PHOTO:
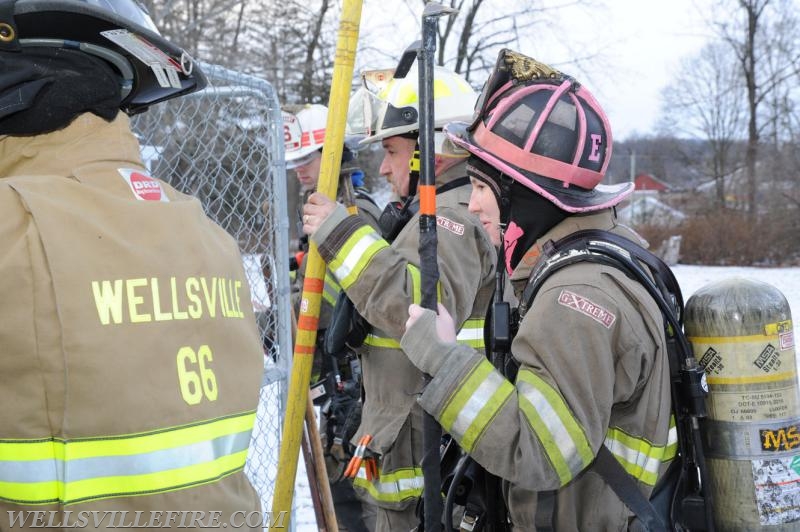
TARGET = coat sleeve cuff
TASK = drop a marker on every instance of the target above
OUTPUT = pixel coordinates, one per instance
(333, 230)
(423, 346)
(454, 371)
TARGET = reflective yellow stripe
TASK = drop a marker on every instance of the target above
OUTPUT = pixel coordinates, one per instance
(71, 471)
(552, 421)
(396, 486)
(331, 280)
(478, 399)
(67, 493)
(640, 458)
(672, 440)
(416, 287)
(130, 444)
(356, 253)
(331, 289)
(471, 333)
(381, 341)
(471, 336)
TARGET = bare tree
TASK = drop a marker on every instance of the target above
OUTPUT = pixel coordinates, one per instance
(315, 43)
(704, 101)
(205, 28)
(468, 43)
(288, 42)
(764, 37)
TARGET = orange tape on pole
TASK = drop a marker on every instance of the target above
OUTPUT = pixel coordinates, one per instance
(427, 199)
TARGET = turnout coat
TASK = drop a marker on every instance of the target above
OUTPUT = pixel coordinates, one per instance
(131, 363)
(593, 371)
(382, 279)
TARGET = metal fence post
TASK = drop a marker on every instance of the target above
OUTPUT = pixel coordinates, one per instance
(224, 145)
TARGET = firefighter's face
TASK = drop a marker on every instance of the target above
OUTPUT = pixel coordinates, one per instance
(483, 204)
(397, 152)
(308, 173)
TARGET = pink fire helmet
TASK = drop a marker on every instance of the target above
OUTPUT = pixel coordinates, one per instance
(543, 129)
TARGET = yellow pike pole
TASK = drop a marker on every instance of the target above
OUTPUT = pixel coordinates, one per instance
(315, 267)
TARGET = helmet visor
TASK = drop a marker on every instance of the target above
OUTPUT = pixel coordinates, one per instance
(362, 113)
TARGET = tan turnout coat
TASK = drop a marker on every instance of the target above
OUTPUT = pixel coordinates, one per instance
(130, 361)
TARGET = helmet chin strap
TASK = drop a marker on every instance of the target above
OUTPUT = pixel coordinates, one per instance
(505, 183)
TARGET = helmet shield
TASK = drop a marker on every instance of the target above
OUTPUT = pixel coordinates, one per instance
(151, 69)
(544, 130)
(365, 106)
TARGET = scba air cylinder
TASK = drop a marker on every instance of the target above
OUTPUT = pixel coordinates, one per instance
(741, 332)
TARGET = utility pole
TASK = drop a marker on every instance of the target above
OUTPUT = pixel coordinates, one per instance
(633, 181)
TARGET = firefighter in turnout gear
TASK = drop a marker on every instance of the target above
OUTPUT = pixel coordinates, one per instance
(590, 348)
(304, 135)
(383, 278)
(335, 376)
(131, 361)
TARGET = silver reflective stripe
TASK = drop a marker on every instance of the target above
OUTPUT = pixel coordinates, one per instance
(466, 416)
(123, 465)
(672, 436)
(389, 486)
(351, 261)
(559, 433)
(468, 334)
(633, 457)
(31, 471)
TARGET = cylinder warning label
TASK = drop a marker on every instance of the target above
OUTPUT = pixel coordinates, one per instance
(751, 378)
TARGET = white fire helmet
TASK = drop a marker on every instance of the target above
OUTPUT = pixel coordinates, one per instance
(304, 134)
(394, 109)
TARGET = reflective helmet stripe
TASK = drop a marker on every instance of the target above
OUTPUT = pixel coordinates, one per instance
(544, 116)
(313, 138)
(544, 166)
(581, 131)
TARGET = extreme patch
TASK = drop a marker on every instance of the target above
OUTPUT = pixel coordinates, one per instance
(450, 225)
(588, 307)
(144, 187)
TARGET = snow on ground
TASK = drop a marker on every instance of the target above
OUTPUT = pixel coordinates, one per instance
(691, 279)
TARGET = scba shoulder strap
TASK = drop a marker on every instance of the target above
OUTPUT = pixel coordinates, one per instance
(680, 498)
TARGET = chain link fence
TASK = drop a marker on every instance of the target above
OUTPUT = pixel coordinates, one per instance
(224, 145)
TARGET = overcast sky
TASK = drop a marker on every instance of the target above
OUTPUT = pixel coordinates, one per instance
(640, 43)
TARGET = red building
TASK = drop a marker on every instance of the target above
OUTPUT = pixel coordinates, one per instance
(649, 182)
